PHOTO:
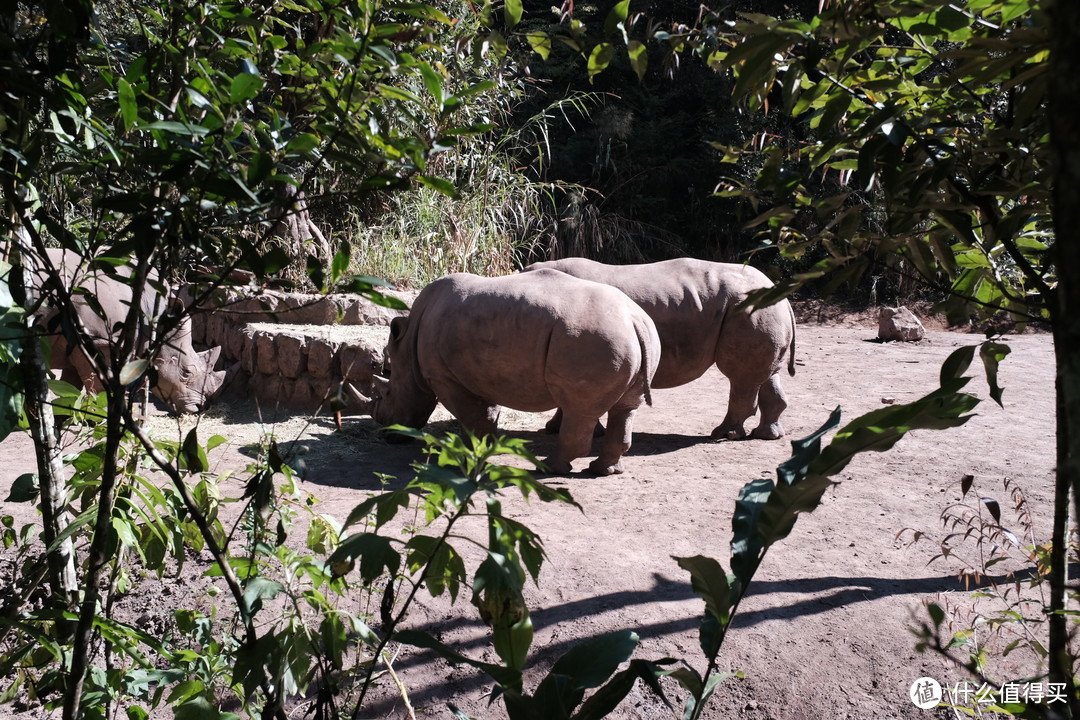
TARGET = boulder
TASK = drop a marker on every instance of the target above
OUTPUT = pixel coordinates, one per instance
(899, 323)
(322, 358)
(291, 350)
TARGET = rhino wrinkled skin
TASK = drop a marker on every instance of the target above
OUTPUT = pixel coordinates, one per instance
(693, 304)
(185, 378)
(529, 342)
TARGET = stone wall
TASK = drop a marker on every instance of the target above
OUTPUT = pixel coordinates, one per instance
(295, 351)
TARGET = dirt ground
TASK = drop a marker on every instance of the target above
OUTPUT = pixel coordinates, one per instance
(826, 629)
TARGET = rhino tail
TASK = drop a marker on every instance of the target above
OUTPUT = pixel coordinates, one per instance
(791, 348)
(645, 376)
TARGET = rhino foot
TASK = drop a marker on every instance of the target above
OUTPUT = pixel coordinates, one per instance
(557, 467)
(772, 431)
(723, 433)
(602, 469)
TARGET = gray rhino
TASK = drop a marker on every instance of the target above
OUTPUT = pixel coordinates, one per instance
(529, 342)
(694, 305)
(185, 378)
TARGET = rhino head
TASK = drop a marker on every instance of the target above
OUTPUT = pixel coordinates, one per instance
(403, 398)
(185, 378)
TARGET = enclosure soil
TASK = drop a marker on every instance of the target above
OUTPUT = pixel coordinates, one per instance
(826, 630)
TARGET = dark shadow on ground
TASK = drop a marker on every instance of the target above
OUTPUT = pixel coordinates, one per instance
(323, 459)
(837, 591)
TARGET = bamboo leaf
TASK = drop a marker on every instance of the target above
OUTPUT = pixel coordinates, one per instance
(129, 107)
(600, 58)
(512, 12)
(540, 43)
(639, 58)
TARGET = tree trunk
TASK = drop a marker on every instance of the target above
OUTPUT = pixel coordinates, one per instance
(294, 225)
(1064, 78)
(51, 476)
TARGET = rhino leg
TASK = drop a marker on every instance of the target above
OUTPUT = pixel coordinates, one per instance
(616, 442)
(555, 423)
(742, 403)
(773, 402)
(552, 426)
(477, 415)
(575, 440)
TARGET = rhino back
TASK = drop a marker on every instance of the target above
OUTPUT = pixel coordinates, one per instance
(687, 299)
(516, 340)
(112, 295)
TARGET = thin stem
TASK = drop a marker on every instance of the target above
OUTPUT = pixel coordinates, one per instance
(274, 705)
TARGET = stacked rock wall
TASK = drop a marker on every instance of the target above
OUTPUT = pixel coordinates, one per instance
(292, 350)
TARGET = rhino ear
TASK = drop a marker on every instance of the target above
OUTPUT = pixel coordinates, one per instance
(213, 384)
(398, 326)
(210, 357)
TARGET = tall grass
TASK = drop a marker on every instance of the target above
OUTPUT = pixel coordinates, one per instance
(504, 215)
(421, 234)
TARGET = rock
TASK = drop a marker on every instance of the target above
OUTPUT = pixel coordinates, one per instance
(291, 350)
(899, 323)
(360, 311)
(265, 353)
(322, 358)
(359, 363)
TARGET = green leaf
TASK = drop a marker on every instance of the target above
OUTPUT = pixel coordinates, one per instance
(710, 583)
(260, 168)
(244, 87)
(129, 107)
(513, 640)
(196, 708)
(616, 16)
(303, 143)
(258, 589)
(445, 569)
(176, 128)
(442, 185)
(512, 12)
(194, 455)
(24, 489)
(376, 555)
(747, 545)
(604, 701)
(433, 81)
(340, 263)
(639, 58)
(756, 55)
(690, 680)
(540, 43)
(600, 58)
(586, 665)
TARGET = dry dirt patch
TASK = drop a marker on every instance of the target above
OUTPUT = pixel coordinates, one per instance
(824, 632)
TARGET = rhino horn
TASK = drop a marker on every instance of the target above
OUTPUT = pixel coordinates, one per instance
(380, 385)
(354, 401)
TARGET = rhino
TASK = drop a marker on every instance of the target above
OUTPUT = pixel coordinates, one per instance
(185, 379)
(528, 342)
(694, 304)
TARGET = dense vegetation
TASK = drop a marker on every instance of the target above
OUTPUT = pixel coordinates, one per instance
(887, 145)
